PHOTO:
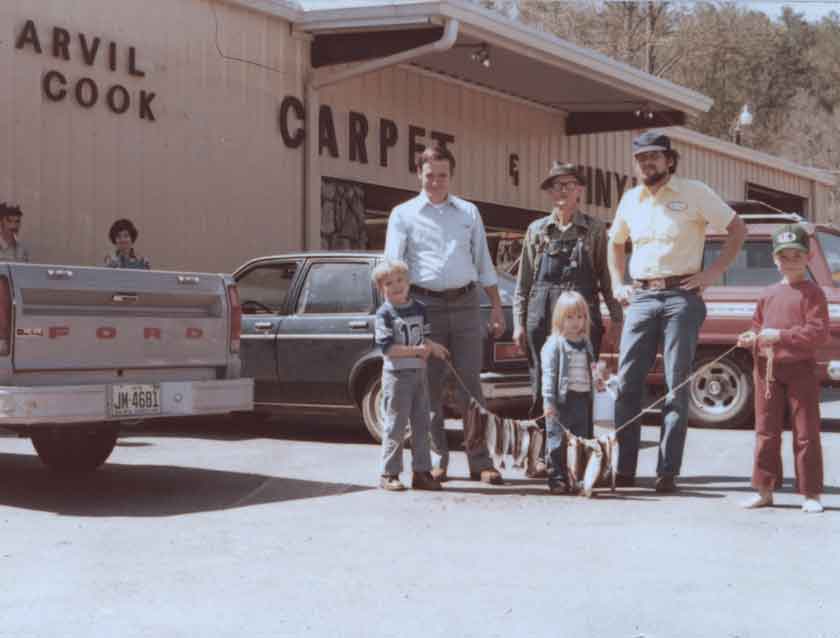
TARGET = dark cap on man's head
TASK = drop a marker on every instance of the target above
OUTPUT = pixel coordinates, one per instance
(561, 169)
(7, 210)
(791, 236)
(651, 141)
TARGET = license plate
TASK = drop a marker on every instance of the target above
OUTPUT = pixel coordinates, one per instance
(135, 399)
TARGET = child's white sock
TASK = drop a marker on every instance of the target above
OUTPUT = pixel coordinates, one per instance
(812, 505)
(759, 499)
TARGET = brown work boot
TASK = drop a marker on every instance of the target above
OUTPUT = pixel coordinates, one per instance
(425, 481)
(391, 483)
(623, 480)
(440, 475)
(559, 488)
(665, 485)
(540, 470)
(491, 476)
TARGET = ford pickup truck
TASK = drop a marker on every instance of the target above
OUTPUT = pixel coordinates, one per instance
(722, 394)
(84, 351)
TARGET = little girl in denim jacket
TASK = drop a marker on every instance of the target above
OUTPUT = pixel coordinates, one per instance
(568, 378)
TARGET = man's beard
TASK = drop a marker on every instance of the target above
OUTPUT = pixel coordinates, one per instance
(650, 180)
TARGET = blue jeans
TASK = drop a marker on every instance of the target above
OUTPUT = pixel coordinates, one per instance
(673, 316)
(405, 396)
(576, 415)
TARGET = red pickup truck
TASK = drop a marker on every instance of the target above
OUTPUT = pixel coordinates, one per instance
(722, 395)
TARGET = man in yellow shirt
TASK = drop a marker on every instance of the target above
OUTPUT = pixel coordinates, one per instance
(665, 219)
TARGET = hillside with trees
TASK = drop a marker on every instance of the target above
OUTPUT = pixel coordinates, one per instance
(787, 70)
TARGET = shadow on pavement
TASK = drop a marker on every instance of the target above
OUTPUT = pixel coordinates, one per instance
(220, 429)
(148, 490)
(237, 429)
(718, 483)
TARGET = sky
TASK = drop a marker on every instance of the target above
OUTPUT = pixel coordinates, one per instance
(813, 10)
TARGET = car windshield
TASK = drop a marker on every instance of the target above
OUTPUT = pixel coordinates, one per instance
(830, 244)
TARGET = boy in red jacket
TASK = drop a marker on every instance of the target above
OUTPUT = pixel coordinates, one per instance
(789, 324)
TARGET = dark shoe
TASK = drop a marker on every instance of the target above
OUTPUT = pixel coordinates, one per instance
(391, 483)
(558, 488)
(540, 470)
(665, 485)
(425, 481)
(440, 475)
(490, 476)
(622, 480)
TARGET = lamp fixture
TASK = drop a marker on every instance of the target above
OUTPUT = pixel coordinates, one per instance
(644, 113)
(482, 56)
(743, 121)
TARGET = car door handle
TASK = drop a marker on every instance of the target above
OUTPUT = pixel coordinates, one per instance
(263, 325)
(358, 325)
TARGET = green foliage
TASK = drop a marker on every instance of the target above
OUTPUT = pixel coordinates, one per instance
(787, 70)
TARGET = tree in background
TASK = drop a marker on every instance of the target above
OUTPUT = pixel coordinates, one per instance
(787, 70)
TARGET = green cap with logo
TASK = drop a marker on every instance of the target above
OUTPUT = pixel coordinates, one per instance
(791, 236)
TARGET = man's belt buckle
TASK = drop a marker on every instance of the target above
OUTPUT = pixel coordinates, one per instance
(452, 293)
(657, 284)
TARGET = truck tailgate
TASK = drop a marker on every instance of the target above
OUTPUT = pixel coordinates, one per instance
(78, 318)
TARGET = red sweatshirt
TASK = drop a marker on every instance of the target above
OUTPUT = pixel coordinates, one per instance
(800, 311)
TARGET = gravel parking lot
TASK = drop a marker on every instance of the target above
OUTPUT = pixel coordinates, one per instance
(281, 532)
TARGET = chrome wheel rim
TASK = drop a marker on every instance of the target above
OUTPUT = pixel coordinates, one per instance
(719, 390)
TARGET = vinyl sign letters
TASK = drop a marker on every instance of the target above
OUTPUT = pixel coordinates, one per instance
(91, 51)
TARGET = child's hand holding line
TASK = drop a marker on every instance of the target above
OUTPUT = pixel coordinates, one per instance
(436, 349)
(598, 381)
(746, 339)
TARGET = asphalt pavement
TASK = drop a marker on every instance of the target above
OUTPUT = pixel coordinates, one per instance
(225, 529)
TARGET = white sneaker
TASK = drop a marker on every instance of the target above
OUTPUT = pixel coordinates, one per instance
(758, 500)
(812, 506)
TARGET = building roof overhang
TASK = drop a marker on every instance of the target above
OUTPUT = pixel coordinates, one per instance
(593, 91)
(746, 154)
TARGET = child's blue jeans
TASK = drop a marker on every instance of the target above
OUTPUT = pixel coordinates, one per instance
(576, 415)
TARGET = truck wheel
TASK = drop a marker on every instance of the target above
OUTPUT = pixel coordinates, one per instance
(74, 450)
(372, 410)
(722, 395)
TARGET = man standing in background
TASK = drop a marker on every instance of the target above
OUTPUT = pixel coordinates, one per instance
(11, 249)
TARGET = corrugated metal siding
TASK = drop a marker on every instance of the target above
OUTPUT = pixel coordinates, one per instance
(212, 167)
(487, 130)
(489, 127)
(727, 175)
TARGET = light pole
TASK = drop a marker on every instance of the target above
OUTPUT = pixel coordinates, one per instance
(744, 120)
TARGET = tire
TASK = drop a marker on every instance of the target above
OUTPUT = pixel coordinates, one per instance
(372, 410)
(74, 450)
(721, 396)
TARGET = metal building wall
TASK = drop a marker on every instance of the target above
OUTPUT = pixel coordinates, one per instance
(702, 158)
(487, 129)
(209, 183)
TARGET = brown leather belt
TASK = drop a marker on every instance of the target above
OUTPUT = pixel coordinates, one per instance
(449, 295)
(660, 284)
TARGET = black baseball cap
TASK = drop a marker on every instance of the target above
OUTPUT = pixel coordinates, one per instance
(651, 141)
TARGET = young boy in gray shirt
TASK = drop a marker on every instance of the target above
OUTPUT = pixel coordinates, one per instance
(401, 331)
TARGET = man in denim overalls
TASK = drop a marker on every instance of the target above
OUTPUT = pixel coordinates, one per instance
(565, 250)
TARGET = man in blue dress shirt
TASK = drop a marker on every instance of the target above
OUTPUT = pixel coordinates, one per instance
(441, 237)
